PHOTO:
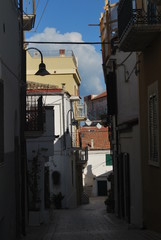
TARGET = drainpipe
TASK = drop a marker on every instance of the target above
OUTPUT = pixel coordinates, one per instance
(64, 136)
(117, 146)
(22, 124)
(116, 155)
(117, 167)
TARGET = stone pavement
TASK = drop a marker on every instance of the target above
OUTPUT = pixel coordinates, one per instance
(88, 222)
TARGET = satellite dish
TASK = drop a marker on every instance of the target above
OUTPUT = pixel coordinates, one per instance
(88, 122)
(98, 125)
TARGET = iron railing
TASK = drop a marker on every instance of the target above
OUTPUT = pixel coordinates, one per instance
(29, 7)
(34, 120)
(128, 15)
(34, 114)
(81, 111)
(57, 53)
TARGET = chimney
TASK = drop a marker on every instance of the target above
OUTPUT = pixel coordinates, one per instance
(63, 86)
(92, 143)
(61, 52)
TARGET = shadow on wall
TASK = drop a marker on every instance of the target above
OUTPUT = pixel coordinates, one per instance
(89, 177)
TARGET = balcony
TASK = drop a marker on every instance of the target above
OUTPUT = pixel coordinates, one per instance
(80, 112)
(137, 28)
(29, 15)
(35, 114)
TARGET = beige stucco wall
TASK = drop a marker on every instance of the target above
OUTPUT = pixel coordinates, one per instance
(61, 69)
(150, 71)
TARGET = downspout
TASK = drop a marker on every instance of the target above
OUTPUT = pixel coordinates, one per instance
(64, 132)
(117, 146)
(22, 124)
(117, 166)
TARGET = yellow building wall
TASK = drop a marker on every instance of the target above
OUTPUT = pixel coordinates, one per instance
(62, 69)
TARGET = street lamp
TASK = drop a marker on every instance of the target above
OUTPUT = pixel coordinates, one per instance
(70, 110)
(73, 121)
(42, 67)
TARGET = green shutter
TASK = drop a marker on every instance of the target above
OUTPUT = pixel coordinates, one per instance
(108, 160)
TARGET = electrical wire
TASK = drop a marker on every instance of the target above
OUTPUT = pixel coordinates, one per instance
(41, 15)
(98, 165)
(16, 4)
(83, 43)
(53, 102)
(27, 15)
(125, 59)
(37, 5)
(134, 68)
(9, 70)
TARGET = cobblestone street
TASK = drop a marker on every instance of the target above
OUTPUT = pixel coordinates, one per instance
(88, 222)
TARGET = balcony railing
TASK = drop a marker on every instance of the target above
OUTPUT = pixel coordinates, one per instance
(34, 120)
(80, 112)
(28, 15)
(34, 114)
(137, 27)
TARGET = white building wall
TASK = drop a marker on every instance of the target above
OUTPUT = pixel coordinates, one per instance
(61, 159)
(129, 140)
(130, 143)
(96, 169)
(43, 147)
(127, 87)
(63, 164)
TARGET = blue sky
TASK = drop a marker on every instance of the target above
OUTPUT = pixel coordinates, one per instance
(68, 21)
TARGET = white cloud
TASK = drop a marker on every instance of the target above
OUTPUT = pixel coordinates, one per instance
(89, 60)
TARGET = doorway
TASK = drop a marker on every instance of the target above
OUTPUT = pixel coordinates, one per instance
(102, 188)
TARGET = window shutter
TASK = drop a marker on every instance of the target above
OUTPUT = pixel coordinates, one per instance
(153, 124)
(108, 160)
(111, 93)
(153, 127)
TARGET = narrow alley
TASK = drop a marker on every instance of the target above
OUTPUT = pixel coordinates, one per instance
(88, 222)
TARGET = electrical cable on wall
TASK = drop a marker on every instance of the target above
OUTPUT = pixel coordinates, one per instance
(97, 166)
(125, 59)
(134, 69)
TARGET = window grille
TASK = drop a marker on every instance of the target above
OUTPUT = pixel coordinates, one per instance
(34, 113)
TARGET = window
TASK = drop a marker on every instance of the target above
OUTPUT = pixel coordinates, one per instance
(153, 125)
(1, 123)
